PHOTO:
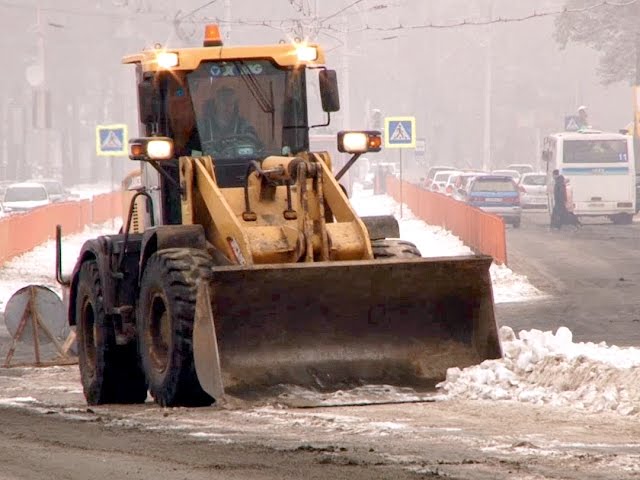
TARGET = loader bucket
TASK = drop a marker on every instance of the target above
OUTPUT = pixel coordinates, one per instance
(336, 325)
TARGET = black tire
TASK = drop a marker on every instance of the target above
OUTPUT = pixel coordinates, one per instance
(165, 325)
(622, 219)
(109, 373)
(394, 248)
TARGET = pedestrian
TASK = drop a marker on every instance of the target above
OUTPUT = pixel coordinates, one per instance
(559, 212)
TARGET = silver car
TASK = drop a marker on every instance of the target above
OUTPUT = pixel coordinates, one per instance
(533, 190)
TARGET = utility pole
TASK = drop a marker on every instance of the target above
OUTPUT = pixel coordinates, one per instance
(41, 110)
(227, 20)
(636, 103)
(488, 80)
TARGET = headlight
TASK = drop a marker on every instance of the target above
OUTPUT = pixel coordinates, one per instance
(306, 53)
(160, 149)
(167, 59)
(151, 148)
(359, 142)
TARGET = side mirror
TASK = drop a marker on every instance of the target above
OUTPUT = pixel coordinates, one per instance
(148, 105)
(329, 90)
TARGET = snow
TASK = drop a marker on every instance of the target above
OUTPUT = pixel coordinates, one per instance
(38, 265)
(542, 368)
(548, 368)
(537, 367)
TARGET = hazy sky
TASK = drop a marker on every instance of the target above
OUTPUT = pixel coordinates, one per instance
(479, 93)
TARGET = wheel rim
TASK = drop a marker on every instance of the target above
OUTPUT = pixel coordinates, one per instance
(159, 334)
(89, 331)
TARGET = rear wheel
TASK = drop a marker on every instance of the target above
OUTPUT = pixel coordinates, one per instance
(110, 373)
(622, 219)
(165, 325)
(394, 248)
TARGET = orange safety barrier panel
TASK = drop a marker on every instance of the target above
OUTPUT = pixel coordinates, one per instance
(481, 231)
(22, 232)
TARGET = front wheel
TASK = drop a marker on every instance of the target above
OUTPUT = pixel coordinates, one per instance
(394, 248)
(165, 325)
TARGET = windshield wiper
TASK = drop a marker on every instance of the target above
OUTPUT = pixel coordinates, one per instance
(265, 103)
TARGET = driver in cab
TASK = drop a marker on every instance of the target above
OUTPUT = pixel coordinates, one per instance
(225, 122)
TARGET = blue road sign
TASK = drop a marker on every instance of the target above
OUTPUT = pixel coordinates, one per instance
(111, 140)
(571, 123)
(400, 132)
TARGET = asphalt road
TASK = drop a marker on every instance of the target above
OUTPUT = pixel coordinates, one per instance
(592, 280)
(592, 276)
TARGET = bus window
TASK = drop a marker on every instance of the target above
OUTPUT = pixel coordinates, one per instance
(595, 151)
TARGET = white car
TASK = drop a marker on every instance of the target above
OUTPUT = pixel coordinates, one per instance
(20, 197)
(514, 174)
(56, 191)
(432, 173)
(533, 190)
(441, 179)
(521, 168)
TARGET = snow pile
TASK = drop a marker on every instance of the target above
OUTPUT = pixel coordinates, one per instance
(38, 266)
(511, 287)
(545, 368)
(88, 191)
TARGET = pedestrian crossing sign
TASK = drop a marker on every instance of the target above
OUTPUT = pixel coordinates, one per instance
(111, 140)
(400, 132)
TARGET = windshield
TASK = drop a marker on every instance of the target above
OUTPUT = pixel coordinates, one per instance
(434, 170)
(539, 180)
(595, 151)
(246, 110)
(25, 194)
(493, 185)
(442, 176)
(521, 168)
(235, 111)
(54, 188)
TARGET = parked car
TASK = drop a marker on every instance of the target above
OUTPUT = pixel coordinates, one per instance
(3, 187)
(432, 173)
(521, 168)
(497, 194)
(20, 197)
(56, 191)
(507, 173)
(533, 190)
(441, 179)
(462, 183)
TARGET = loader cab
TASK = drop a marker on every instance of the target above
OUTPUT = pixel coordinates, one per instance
(235, 111)
(235, 104)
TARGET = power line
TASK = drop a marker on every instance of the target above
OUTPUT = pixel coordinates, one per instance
(351, 5)
(192, 12)
(477, 23)
(284, 24)
(85, 13)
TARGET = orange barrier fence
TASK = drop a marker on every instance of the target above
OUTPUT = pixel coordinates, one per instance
(21, 232)
(481, 231)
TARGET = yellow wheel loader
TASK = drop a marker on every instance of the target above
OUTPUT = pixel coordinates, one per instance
(242, 265)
